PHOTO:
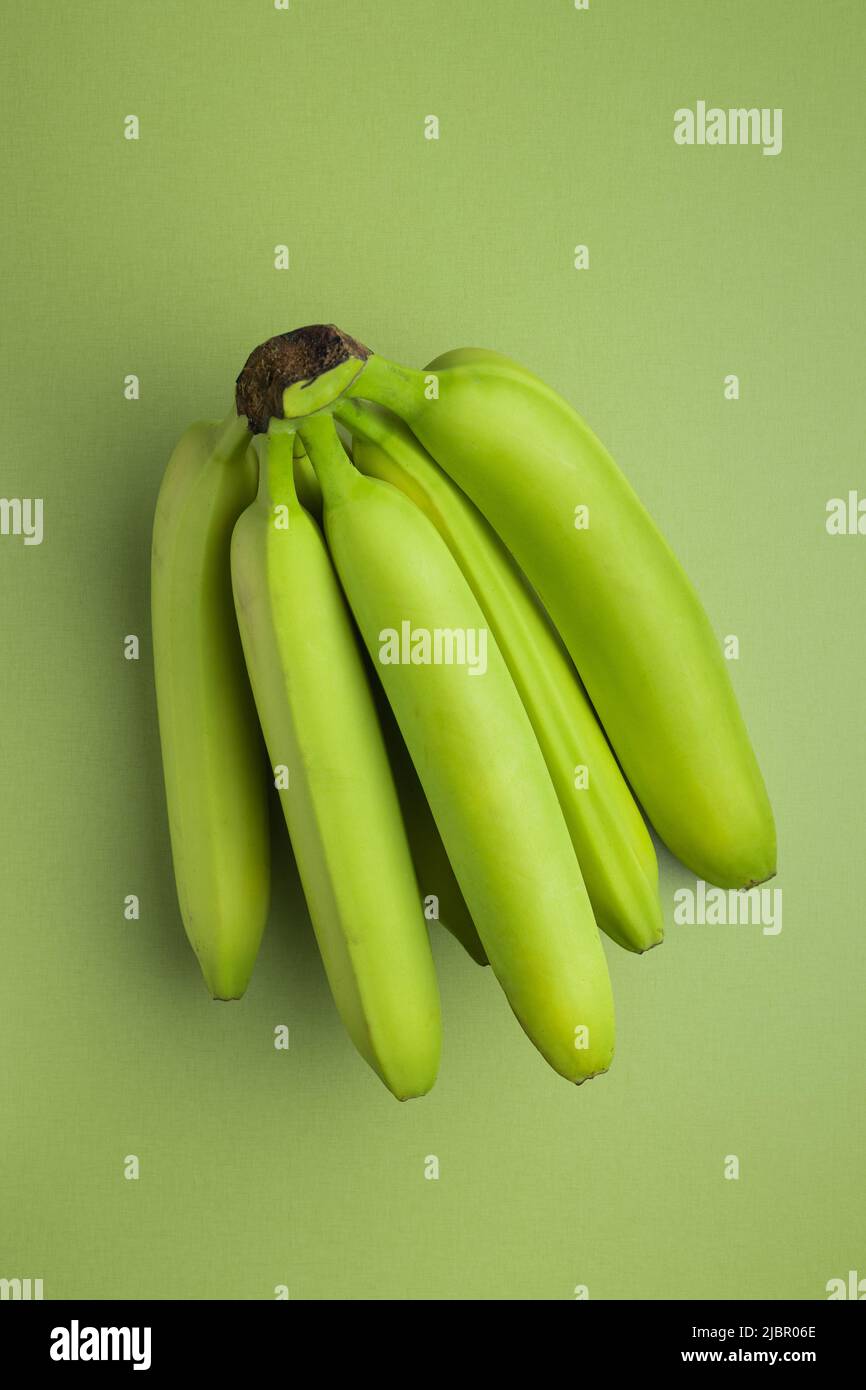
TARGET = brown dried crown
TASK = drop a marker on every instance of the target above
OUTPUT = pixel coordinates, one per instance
(299, 356)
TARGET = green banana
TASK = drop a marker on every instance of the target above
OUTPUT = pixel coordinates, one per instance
(212, 753)
(477, 758)
(632, 622)
(628, 614)
(340, 805)
(440, 891)
(610, 839)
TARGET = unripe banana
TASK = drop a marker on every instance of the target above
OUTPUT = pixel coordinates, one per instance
(631, 620)
(612, 844)
(477, 758)
(628, 614)
(440, 891)
(212, 752)
(340, 804)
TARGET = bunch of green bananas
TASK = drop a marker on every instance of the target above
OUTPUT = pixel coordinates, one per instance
(417, 783)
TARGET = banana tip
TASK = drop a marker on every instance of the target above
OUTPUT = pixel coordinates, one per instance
(651, 947)
(592, 1075)
(756, 882)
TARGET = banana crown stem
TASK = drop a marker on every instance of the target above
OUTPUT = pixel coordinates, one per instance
(401, 389)
(334, 469)
(276, 453)
(294, 375)
(365, 420)
(391, 436)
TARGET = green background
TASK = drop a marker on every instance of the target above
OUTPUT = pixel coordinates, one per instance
(155, 257)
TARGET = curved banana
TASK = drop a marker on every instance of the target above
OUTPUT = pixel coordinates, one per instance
(632, 622)
(613, 847)
(212, 753)
(440, 891)
(476, 756)
(340, 805)
(628, 614)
